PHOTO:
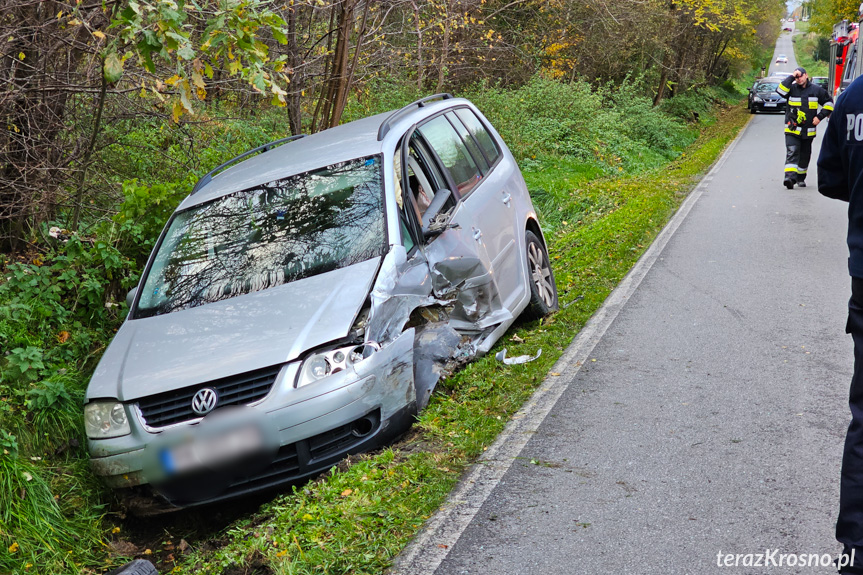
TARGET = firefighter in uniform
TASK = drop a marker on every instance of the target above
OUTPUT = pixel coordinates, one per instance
(801, 117)
(840, 176)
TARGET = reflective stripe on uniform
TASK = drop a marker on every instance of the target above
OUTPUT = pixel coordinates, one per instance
(801, 170)
(828, 106)
(812, 132)
(782, 89)
(790, 167)
(813, 104)
(795, 101)
(790, 131)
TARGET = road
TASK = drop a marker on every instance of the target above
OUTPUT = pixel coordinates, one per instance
(702, 411)
(784, 46)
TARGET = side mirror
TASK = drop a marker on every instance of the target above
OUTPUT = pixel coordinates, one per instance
(130, 297)
(435, 207)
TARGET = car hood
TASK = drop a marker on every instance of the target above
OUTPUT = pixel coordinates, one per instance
(165, 352)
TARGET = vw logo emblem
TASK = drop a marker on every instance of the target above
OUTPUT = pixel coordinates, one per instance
(205, 401)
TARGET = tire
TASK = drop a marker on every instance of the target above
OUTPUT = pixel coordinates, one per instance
(751, 109)
(543, 291)
(136, 567)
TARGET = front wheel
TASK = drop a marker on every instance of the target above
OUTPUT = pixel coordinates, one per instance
(752, 109)
(543, 291)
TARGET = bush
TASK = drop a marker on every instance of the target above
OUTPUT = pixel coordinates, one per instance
(615, 128)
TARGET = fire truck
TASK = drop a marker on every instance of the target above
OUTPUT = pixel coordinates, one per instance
(844, 63)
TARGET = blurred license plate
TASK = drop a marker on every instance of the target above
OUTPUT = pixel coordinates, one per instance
(211, 450)
(769, 105)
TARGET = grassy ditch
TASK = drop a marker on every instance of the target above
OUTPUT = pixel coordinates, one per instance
(604, 186)
(356, 519)
(806, 48)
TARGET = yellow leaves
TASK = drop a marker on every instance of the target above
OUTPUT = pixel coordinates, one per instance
(63, 336)
(347, 492)
(74, 22)
(198, 81)
(21, 55)
(115, 530)
(172, 81)
(307, 517)
(99, 35)
(177, 111)
(13, 548)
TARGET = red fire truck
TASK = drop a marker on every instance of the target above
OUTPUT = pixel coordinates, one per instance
(844, 64)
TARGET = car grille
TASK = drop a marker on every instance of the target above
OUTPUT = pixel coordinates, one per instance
(175, 406)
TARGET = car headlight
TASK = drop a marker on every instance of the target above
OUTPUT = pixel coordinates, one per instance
(320, 365)
(757, 99)
(105, 419)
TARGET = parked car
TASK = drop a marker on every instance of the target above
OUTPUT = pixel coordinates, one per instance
(764, 98)
(781, 59)
(301, 305)
(788, 29)
(820, 81)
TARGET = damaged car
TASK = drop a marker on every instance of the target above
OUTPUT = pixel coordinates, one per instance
(304, 300)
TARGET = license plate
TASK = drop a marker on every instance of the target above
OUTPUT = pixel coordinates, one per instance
(769, 105)
(211, 450)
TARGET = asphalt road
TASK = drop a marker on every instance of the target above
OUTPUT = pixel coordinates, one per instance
(784, 46)
(707, 415)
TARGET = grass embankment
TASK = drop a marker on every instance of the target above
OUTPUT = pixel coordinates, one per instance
(805, 49)
(604, 185)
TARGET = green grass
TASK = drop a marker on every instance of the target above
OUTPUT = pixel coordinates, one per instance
(356, 520)
(603, 189)
(804, 51)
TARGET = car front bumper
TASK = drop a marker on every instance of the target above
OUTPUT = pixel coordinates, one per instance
(316, 425)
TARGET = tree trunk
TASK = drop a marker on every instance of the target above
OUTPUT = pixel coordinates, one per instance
(444, 50)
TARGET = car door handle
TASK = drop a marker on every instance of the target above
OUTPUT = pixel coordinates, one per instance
(477, 234)
(506, 199)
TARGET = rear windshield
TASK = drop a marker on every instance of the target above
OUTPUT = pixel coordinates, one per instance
(267, 236)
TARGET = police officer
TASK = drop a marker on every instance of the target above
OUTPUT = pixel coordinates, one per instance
(840, 176)
(801, 117)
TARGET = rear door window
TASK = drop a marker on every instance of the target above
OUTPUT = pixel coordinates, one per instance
(451, 150)
(469, 141)
(476, 128)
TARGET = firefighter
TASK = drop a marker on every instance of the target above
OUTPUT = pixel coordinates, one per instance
(801, 117)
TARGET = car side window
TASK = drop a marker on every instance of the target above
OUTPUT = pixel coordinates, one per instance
(469, 141)
(424, 177)
(451, 150)
(476, 128)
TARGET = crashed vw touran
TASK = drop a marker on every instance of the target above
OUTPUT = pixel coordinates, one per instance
(302, 304)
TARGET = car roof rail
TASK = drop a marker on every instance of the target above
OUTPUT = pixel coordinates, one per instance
(387, 123)
(266, 147)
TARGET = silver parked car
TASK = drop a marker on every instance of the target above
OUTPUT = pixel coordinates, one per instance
(302, 304)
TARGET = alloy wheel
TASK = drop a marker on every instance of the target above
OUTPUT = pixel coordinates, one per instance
(540, 273)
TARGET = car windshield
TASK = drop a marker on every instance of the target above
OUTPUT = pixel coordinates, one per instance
(266, 236)
(766, 87)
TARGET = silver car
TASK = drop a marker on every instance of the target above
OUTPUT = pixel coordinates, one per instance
(302, 304)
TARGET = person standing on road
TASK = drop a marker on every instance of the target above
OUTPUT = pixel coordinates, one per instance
(801, 117)
(840, 176)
